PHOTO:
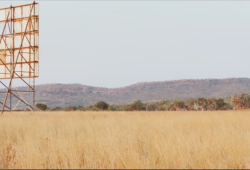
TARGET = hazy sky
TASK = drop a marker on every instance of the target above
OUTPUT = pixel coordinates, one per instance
(118, 43)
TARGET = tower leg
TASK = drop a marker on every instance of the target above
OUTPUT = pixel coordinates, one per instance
(6, 96)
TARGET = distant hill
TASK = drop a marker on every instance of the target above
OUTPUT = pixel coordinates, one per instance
(76, 94)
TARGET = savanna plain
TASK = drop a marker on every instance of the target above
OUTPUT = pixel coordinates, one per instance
(209, 139)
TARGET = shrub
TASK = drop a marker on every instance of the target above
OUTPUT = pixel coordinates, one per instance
(70, 108)
(102, 105)
(41, 106)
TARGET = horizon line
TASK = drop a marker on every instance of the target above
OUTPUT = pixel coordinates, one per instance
(144, 82)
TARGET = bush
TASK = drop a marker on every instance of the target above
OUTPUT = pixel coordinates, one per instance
(70, 108)
(41, 106)
(56, 108)
(102, 105)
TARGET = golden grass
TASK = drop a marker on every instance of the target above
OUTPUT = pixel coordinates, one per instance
(125, 140)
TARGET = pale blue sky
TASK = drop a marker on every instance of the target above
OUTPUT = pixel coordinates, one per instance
(118, 43)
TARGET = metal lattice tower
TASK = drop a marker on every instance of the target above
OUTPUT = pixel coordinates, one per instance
(19, 54)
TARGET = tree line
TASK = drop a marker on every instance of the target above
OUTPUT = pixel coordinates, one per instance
(236, 102)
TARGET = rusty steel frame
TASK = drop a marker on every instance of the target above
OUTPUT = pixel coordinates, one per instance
(13, 54)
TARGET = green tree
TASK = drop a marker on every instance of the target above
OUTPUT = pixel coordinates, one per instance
(163, 105)
(114, 108)
(178, 105)
(90, 107)
(81, 108)
(102, 105)
(137, 105)
(164, 102)
(41, 106)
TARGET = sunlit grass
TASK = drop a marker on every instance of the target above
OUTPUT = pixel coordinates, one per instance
(125, 140)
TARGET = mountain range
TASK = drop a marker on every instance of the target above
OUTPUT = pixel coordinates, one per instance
(76, 94)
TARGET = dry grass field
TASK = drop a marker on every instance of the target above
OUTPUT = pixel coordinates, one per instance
(125, 140)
